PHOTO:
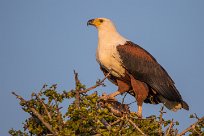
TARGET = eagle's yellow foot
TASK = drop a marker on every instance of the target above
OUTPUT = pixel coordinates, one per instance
(139, 115)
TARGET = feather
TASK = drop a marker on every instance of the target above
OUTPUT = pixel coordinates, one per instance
(144, 67)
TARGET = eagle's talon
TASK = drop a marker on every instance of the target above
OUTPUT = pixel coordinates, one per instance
(139, 115)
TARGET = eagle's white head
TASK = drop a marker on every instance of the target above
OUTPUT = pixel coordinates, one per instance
(108, 39)
(107, 32)
(102, 24)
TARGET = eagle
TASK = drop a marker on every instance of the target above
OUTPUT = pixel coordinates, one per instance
(133, 69)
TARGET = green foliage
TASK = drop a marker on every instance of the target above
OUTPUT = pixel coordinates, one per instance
(88, 115)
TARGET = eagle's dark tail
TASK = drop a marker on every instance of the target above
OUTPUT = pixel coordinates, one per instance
(173, 105)
(185, 105)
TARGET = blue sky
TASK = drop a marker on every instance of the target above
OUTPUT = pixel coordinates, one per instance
(44, 41)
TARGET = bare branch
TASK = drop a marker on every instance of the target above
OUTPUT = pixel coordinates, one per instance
(191, 127)
(47, 125)
(124, 97)
(34, 111)
(44, 86)
(117, 121)
(99, 83)
(136, 127)
(59, 117)
(196, 116)
(45, 107)
(169, 128)
(161, 120)
(122, 123)
(77, 96)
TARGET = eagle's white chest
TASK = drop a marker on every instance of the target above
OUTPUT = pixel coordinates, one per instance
(108, 57)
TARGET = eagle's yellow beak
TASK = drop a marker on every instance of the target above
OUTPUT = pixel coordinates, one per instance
(95, 22)
(90, 22)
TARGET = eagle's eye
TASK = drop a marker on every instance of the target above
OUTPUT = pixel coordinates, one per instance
(101, 20)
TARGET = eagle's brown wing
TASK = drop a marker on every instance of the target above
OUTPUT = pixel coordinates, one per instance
(144, 67)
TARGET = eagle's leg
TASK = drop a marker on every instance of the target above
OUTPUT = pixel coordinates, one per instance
(141, 92)
(139, 111)
(122, 87)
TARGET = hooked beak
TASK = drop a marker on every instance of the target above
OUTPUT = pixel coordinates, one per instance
(90, 22)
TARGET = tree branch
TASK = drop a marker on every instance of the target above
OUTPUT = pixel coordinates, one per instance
(117, 121)
(191, 127)
(46, 110)
(77, 89)
(169, 128)
(34, 111)
(161, 120)
(98, 83)
(136, 127)
(124, 97)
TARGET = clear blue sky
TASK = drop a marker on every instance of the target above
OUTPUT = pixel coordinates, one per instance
(42, 41)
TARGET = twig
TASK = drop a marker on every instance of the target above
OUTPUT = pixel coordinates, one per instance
(77, 96)
(139, 118)
(169, 128)
(46, 110)
(58, 114)
(117, 121)
(105, 123)
(196, 131)
(161, 120)
(131, 103)
(124, 98)
(44, 86)
(196, 116)
(47, 125)
(176, 132)
(99, 83)
(122, 123)
(136, 127)
(191, 127)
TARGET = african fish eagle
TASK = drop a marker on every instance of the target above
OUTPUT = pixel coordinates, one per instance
(133, 69)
